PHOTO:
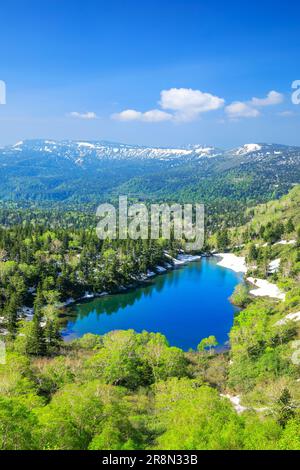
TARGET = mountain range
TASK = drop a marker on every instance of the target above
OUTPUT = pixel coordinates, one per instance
(81, 172)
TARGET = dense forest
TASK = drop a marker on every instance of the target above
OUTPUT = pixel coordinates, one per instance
(76, 174)
(126, 390)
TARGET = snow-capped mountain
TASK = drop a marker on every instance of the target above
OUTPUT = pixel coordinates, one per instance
(87, 171)
(247, 148)
(262, 150)
(82, 152)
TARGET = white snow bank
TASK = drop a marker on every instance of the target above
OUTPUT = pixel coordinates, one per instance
(150, 274)
(248, 148)
(188, 258)
(265, 289)
(233, 262)
(86, 144)
(88, 295)
(286, 242)
(289, 317)
(69, 302)
(274, 266)
(160, 269)
(183, 259)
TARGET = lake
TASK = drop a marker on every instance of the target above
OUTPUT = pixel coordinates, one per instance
(186, 305)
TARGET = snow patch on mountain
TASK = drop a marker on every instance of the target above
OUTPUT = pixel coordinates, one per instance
(248, 148)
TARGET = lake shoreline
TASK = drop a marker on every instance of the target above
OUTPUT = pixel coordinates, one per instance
(175, 305)
(231, 261)
(141, 280)
(263, 288)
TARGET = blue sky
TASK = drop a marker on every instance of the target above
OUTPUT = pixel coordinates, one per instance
(150, 72)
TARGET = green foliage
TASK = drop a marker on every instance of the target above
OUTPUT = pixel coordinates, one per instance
(210, 342)
(252, 253)
(118, 362)
(261, 434)
(132, 360)
(222, 240)
(127, 391)
(290, 438)
(79, 413)
(285, 408)
(17, 423)
(195, 417)
(240, 297)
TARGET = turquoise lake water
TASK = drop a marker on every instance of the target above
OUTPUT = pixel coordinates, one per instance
(186, 305)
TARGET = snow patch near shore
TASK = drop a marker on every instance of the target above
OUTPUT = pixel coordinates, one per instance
(290, 317)
(188, 258)
(160, 269)
(183, 259)
(150, 274)
(233, 262)
(286, 242)
(265, 289)
(274, 266)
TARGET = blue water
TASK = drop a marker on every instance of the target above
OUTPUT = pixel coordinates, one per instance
(186, 305)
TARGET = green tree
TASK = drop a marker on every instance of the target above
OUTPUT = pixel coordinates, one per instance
(210, 342)
(190, 417)
(252, 253)
(285, 408)
(290, 227)
(240, 297)
(36, 344)
(11, 312)
(222, 239)
(290, 439)
(17, 425)
(164, 361)
(118, 362)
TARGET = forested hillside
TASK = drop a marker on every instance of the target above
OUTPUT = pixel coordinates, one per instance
(133, 391)
(77, 173)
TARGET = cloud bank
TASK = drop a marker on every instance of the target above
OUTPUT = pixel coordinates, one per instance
(154, 115)
(186, 104)
(87, 116)
(248, 109)
(176, 104)
(239, 109)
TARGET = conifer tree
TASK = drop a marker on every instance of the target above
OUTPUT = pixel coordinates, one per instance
(285, 408)
(36, 342)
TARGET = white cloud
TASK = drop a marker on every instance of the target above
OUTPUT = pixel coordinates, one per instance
(87, 116)
(239, 109)
(286, 113)
(188, 104)
(128, 115)
(272, 98)
(154, 115)
(182, 104)
(248, 109)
